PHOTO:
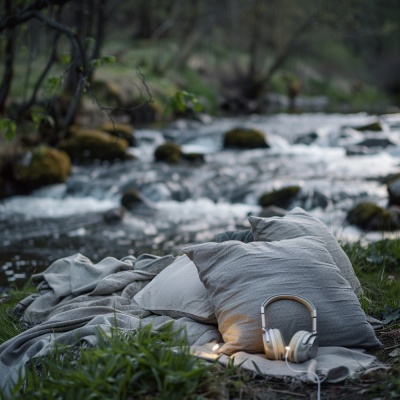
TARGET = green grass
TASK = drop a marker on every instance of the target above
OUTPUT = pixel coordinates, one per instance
(9, 322)
(124, 365)
(378, 268)
(144, 365)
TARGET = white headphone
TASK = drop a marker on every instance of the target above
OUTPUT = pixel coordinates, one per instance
(303, 345)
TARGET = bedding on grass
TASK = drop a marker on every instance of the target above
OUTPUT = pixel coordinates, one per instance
(211, 294)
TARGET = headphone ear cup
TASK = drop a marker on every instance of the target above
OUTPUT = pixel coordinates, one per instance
(275, 349)
(300, 352)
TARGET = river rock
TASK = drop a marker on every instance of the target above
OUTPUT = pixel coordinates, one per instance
(373, 126)
(133, 201)
(281, 198)
(371, 217)
(393, 188)
(108, 92)
(376, 142)
(114, 215)
(124, 131)
(168, 152)
(272, 211)
(245, 138)
(40, 166)
(140, 112)
(89, 144)
(193, 158)
(307, 138)
(359, 151)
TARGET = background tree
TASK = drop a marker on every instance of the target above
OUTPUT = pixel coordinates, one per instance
(72, 34)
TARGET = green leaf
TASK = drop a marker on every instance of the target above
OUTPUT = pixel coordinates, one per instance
(109, 59)
(9, 127)
(96, 62)
(38, 118)
(54, 82)
(90, 41)
(183, 101)
(65, 58)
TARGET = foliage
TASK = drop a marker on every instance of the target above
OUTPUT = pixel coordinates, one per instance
(131, 364)
(8, 127)
(183, 101)
(10, 325)
(377, 266)
(73, 50)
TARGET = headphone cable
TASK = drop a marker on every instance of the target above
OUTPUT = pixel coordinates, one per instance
(311, 372)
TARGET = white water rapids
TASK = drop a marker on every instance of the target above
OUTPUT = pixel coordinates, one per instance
(192, 203)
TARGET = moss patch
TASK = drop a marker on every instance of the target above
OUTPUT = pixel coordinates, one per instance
(88, 145)
(168, 152)
(245, 138)
(124, 131)
(370, 216)
(42, 166)
(374, 126)
(280, 198)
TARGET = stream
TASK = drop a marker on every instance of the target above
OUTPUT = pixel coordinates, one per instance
(190, 203)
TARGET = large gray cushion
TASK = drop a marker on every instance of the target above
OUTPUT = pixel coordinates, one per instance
(177, 292)
(240, 276)
(298, 223)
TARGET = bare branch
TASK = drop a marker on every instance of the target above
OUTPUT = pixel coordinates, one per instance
(73, 105)
(9, 63)
(24, 107)
(29, 12)
(74, 39)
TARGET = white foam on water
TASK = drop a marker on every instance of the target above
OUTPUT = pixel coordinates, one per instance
(203, 213)
(53, 207)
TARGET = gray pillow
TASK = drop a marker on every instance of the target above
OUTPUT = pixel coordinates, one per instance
(177, 292)
(240, 276)
(298, 223)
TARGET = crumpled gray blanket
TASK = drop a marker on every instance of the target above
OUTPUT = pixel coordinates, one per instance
(76, 297)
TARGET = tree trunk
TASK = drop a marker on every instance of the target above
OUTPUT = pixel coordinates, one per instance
(9, 61)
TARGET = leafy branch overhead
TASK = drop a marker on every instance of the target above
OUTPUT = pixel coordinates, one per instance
(78, 63)
(8, 127)
(182, 101)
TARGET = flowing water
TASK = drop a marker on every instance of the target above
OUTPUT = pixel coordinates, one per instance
(190, 203)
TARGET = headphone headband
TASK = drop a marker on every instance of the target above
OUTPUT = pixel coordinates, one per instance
(299, 299)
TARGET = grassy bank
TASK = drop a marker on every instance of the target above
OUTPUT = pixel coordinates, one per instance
(144, 366)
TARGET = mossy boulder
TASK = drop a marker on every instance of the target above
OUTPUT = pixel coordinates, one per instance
(370, 216)
(168, 152)
(124, 131)
(87, 145)
(373, 126)
(245, 138)
(281, 198)
(108, 93)
(41, 166)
